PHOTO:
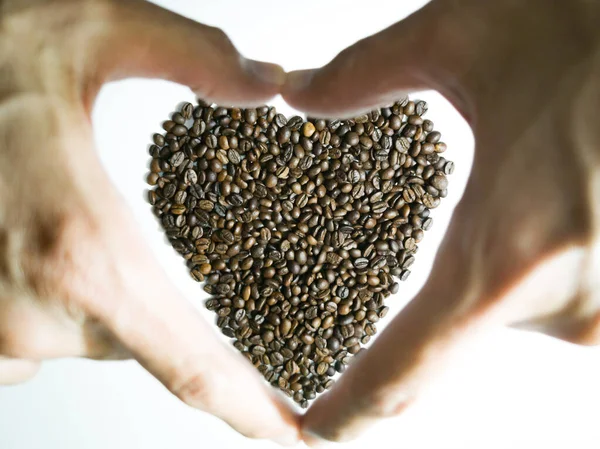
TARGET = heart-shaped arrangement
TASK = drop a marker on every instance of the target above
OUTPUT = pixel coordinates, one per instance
(297, 226)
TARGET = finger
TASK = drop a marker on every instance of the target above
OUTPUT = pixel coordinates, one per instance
(429, 49)
(579, 323)
(388, 377)
(138, 38)
(169, 338)
(97, 264)
(40, 331)
(15, 371)
(476, 284)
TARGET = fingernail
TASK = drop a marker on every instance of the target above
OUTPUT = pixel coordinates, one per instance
(267, 73)
(299, 80)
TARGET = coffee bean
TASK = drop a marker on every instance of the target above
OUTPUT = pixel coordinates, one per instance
(283, 135)
(340, 367)
(179, 130)
(327, 322)
(440, 182)
(361, 263)
(177, 159)
(308, 129)
(285, 327)
(351, 138)
(322, 368)
(433, 137)
(409, 195)
(271, 181)
(233, 156)
(295, 122)
(186, 110)
(276, 358)
(159, 139)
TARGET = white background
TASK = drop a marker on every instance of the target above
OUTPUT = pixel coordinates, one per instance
(512, 389)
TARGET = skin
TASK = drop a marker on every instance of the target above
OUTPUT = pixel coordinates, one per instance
(73, 282)
(522, 248)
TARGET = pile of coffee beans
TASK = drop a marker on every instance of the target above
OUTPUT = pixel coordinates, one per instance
(299, 227)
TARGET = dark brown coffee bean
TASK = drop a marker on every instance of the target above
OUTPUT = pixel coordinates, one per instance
(186, 110)
(351, 138)
(283, 135)
(159, 139)
(233, 156)
(409, 195)
(322, 368)
(440, 182)
(179, 130)
(433, 137)
(361, 263)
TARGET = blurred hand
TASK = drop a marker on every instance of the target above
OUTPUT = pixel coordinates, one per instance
(76, 279)
(522, 248)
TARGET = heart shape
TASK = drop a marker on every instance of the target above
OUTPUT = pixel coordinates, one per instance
(297, 226)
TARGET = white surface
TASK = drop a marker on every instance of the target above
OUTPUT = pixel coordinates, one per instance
(512, 390)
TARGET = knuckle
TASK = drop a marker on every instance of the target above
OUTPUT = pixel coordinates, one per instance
(587, 334)
(15, 371)
(386, 404)
(384, 401)
(38, 20)
(56, 253)
(219, 46)
(24, 332)
(19, 345)
(218, 36)
(7, 347)
(571, 327)
(349, 59)
(198, 391)
(91, 11)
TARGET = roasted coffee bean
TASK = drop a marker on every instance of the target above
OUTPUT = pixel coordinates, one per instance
(361, 263)
(440, 182)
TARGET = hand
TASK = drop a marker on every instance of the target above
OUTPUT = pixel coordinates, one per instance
(75, 277)
(522, 247)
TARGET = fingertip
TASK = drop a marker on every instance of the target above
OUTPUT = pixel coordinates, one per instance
(300, 91)
(267, 73)
(247, 83)
(15, 371)
(290, 435)
(297, 81)
(332, 92)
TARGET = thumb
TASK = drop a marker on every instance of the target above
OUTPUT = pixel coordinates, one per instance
(14, 371)
(137, 38)
(428, 50)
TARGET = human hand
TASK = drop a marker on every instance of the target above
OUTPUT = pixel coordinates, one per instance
(76, 279)
(522, 247)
